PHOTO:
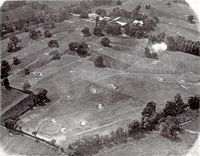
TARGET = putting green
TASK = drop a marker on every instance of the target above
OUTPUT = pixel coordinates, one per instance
(49, 128)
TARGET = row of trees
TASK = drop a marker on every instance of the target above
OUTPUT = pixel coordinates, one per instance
(179, 43)
(165, 121)
(5, 69)
(21, 24)
(35, 34)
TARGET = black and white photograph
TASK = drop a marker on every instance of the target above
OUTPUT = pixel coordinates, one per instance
(100, 78)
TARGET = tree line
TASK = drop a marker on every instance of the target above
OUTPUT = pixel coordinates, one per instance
(177, 43)
(165, 121)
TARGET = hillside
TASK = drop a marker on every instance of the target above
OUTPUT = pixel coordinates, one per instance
(99, 101)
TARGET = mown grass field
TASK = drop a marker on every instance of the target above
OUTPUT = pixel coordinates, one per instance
(138, 80)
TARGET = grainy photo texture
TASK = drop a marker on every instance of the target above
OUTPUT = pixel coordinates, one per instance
(99, 78)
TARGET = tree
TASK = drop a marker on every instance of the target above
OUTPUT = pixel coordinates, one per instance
(39, 33)
(82, 49)
(168, 4)
(134, 127)
(5, 68)
(47, 34)
(194, 102)
(6, 65)
(170, 109)
(148, 6)
(16, 61)
(97, 19)
(73, 46)
(105, 42)
(191, 19)
(103, 24)
(101, 2)
(86, 32)
(119, 2)
(15, 40)
(34, 133)
(25, 29)
(98, 31)
(84, 15)
(179, 104)
(101, 12)
(55, 55)
(53, 44)
(26, 86)
(53, 142)
(148, 54)
(98, 61)
(138, 7)
(33, 34)
(6, 83)
(77, 10)
(114, 28)
(40, 96)
(10, 123)
(150, 109)
(26, 71)
(169, 127)
(12, 45)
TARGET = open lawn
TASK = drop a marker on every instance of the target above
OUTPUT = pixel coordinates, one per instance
(130, 80)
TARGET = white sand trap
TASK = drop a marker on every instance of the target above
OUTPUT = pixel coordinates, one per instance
(63, 130)
(53, 120)
(184, 87)
(93, 90)
(160, 79)
(43, 41)
(84, 123)
(40, 74)
(155, 62)
(37, 74)
(111, 86)
(181, 81)
(124, 35)
(100, 106)
(77, 15)
(46, 54)
(72, 71)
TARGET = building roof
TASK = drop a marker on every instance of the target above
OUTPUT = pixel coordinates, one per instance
(9, 98)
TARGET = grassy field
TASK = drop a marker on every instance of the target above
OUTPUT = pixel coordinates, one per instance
(71, 80)
(21, 145)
